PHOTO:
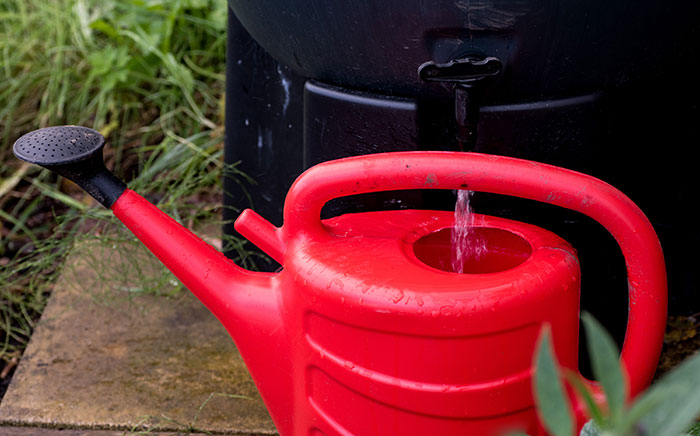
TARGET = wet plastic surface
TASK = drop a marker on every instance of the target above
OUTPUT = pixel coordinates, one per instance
(503, 251)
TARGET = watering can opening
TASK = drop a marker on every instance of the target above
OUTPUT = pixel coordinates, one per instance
(500, 250)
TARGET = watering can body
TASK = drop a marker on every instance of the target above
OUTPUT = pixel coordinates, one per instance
(367, 331)
(386, 344)
(357, 334)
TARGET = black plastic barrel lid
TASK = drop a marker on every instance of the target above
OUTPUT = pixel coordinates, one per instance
(58, 145)
(74, 152)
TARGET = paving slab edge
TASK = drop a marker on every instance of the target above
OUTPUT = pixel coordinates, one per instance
(36, 431)
(29, 424)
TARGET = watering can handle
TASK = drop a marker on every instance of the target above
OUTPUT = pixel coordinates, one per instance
(519, 178)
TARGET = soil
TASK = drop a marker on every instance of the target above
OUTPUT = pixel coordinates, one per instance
(682, 340)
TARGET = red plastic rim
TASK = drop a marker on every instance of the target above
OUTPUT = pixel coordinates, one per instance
(502, 251)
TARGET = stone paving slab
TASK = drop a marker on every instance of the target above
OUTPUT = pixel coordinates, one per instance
(107, 356)
(36, 431)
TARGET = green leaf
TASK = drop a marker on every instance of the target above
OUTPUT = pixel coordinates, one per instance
(575, 380)
(105, 28)
(590, 429)
(694, 430)
(605, 363)
(552, 403)
(674, 401)
(179, 74)
(195, 4)
(109, 67)
(146, 42)
(101, 61)
(218, 14)
(643, 406)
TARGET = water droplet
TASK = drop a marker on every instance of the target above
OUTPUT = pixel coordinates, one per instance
(396, 295)
(337, 283)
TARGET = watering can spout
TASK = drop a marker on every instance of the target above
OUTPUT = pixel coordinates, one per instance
(223, 287)
(247, 303)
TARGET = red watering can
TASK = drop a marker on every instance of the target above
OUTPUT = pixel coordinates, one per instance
(363, 331)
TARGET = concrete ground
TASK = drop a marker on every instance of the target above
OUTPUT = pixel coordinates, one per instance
(108, 358)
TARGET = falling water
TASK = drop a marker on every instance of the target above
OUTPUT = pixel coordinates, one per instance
(465, 243)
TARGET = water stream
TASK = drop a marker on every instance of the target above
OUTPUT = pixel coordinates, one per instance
(465, 243)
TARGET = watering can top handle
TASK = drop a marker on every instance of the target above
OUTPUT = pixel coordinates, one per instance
(515, 177)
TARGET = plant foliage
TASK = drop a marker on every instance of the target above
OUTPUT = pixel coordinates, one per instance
(148, 74)
(668, 408)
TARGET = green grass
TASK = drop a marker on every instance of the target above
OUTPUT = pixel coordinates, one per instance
(148, 74)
